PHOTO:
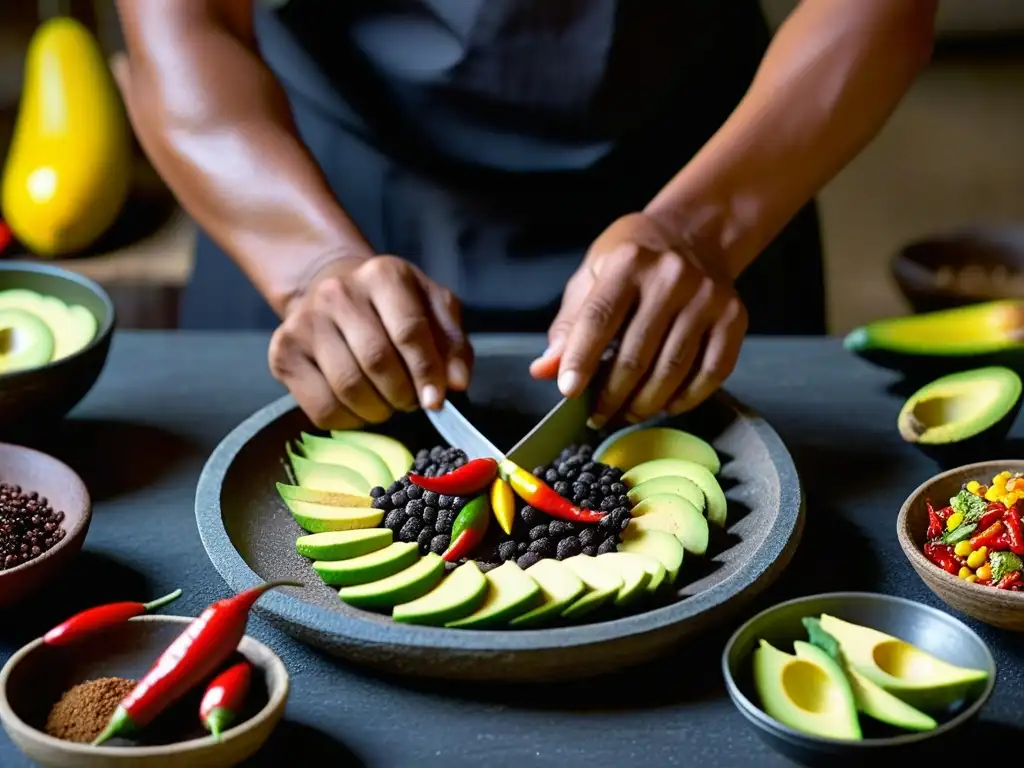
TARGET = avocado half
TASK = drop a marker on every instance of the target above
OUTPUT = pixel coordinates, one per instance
(935, 343)
(961, 416)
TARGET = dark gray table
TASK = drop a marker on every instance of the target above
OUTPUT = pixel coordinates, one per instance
(164, 402)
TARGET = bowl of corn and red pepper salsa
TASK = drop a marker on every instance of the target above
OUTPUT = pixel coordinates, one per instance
(962, 532)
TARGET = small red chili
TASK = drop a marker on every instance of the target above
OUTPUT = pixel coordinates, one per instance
(1009, 580)
(994, 512)
(1011, 519)
(988, 536)
(224, 698)
(469, 528)
(943, 556)
(544, 498)
(471, 477)
(93, 620)
(935, 526)
(195, 653)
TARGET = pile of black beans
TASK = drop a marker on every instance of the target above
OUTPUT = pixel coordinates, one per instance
(29, 526)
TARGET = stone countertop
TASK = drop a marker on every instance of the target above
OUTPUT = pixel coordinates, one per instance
(165, 400)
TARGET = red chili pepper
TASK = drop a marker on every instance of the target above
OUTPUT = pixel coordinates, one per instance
(988, 536)
(195, 653)
(94, 620)
(1010, 579)
(943, 556)
(1011, 519)
(225, 698)
(994, 512)
(469, 528)
(935, 526)
(471, 477)
(544, 498)
(6, 236)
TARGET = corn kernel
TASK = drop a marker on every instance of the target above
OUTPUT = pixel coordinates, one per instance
(1005, 474)
(976, 559)
(973, 486)
(965, 572)
(971, 579)
(954, 520)
(992, 494)
(963, 548)
(999, 482)
(984, 573)
(984, 551)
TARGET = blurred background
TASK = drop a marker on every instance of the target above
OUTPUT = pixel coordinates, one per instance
(951, 158)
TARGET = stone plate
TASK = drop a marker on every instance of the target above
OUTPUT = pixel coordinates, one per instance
(250, 537)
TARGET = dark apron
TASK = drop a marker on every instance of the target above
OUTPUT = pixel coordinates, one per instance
(490, 141)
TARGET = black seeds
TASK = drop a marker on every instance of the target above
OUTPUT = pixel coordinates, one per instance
(439, 544)
(444, 502)
(562, 488)
(529, 515)
(410, 530)
(576, 461)
(507, 550)
(538, 532)
(586, 477)
(415, 507)
(617, 488)
(398, 498)
(377, 492)
(28, 526)
(436, 452)
(588, 537)
(444, 522)
(424, 539)
(395, 487)
(429, 498)
(521, 547)
(543, 547)
(414, 492)
(382, 502)
(590, 503)
(591, 550)
(568, 547)
(429, 515)
(557, 529)
(623, 525)
(608, 504)
(528, 559)
(605, 490)
(551, 476)
(571, 473)
(394, 519)
(608, 545)
(619, 514)
(458, 502)
(588, 467)
(539, 471)
(624, 501)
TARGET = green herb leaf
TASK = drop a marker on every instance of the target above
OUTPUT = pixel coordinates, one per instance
(822, 639)
(1003, 563)
(968, 504)
(959, 533)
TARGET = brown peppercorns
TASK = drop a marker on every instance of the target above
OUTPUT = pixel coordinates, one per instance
(83, 711)
(29, 526)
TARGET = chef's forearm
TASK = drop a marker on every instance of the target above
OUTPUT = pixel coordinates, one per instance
(832, 76)
(217, 126)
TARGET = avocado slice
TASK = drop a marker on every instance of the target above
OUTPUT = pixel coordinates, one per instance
(326, 477)
(72, 328)
(602, 585)
(560, 587)
(25, 341)
(680, 486)
(369, 567)
(511, 592)
(661, 546)
(340, 545)
(920, 679)
(717, 507)
(627, 565)
(673, 514)
(634, 446)
(402, 587)
(394, 454)
(961, 413)
(808, 692)
(290, 493)
(458, 595)
(318, 518)
(975, 335)
(368, 464)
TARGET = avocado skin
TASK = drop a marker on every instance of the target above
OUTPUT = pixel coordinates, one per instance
(989, 444)
(919, 369)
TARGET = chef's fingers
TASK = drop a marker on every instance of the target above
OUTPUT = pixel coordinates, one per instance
(596, 322)
(290, 365)
(458, 352)
(576, 290)
(345, 375)
(664, 290)
(719, 359)
(396, 293)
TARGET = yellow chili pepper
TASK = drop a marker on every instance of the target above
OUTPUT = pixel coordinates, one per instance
(503, 502)
(954, 520)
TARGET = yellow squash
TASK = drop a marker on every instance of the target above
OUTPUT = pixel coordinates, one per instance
(69, 163)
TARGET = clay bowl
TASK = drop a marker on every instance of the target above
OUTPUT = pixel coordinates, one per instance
(926, 627)
(45, 394)
(36, 471)
(963, 267)
(997, 607)
(35, 677)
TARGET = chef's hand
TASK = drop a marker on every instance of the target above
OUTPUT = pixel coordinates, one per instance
(368, 337)
(680, 321)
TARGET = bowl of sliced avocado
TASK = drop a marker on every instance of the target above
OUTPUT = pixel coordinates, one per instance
(55, 331)
(847, 677)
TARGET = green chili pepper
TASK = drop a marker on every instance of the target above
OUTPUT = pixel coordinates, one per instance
(469, 528)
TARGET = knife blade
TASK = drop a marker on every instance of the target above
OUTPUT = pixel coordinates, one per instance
(459, 432)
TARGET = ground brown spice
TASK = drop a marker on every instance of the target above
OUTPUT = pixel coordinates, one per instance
(83, 711)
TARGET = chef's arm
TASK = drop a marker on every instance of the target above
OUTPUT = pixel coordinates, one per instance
(830, 79)
(217, 126)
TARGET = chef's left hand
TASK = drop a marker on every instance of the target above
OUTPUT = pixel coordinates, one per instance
(680, 321)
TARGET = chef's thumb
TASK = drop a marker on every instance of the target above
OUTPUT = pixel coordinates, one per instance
(454, 346)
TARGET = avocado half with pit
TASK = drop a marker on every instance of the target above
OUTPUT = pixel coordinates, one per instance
(962, 416)
(935, 343)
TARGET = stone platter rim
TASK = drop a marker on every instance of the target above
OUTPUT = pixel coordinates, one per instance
(778, 544)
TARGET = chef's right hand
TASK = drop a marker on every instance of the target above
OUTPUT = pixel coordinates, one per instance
(367, 337)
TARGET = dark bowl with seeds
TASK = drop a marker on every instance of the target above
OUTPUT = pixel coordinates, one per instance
(45, 511)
